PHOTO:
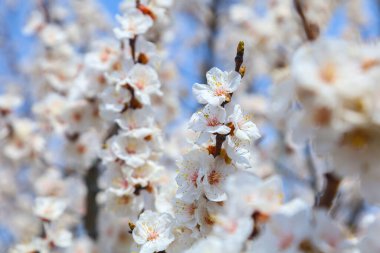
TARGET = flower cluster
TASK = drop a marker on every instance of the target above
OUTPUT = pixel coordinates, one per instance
(49, 210)
(131, 155)
(337, 90)
(223, 147)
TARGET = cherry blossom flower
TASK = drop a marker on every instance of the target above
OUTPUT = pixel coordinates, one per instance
(36, 245)
(329, 235)
(78, 116)
(82, 152)
(153, 231)
(238, 150)
(207, 215)
(215, 178)
(248, 193)
(133, 23)
(115, 99)
(104, 55)
(243, 129)
(134, 120)
(219, 88)
(192, 167)
(49, 208)
(278, 237)
(210, 120)
(185, 213)
(130, 149)
(233, 231)
(123, 202)
(144, 80)
(8, 102)
(24, 143)
(61, 238)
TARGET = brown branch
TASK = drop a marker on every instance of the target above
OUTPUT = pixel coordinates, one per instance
(356, 211)
(312, 169)
(331, 190)
(45, 8)
(311, 30)
(132, 45)
(91, 216)
(220, 138)
(91, 179)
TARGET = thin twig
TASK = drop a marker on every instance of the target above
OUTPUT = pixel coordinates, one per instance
(91, 179)
(355, 213)
(132, 45)
(326, 200)
(312, 169)
(311, 30)
(45, 7)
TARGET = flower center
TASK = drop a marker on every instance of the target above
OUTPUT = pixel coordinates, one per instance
(209, 219)
(104, 56)
(124, 200)
(212, 121)
(328, 73)
(82, 149)
(191, 209)
(77, 116)
(214, 177)
(194, 178)
(357, 139)
(153, 235)
(140, 84)
(130, 150)
(220, 92)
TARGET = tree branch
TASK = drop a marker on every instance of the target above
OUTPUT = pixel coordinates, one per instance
(311, 30)
(91, 179)
(326, 200)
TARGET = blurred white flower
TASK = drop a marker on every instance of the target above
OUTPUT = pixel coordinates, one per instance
(133, 23)
(144, 80)
(49, 208)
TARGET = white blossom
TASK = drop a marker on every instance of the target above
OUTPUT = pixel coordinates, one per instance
(243, 128)
(133, 23)
(131, 149)
(215, 178)
(210, 120)
(153, 231)
(144, 80)
(49, 208)
(219, 88)
(192, 169)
